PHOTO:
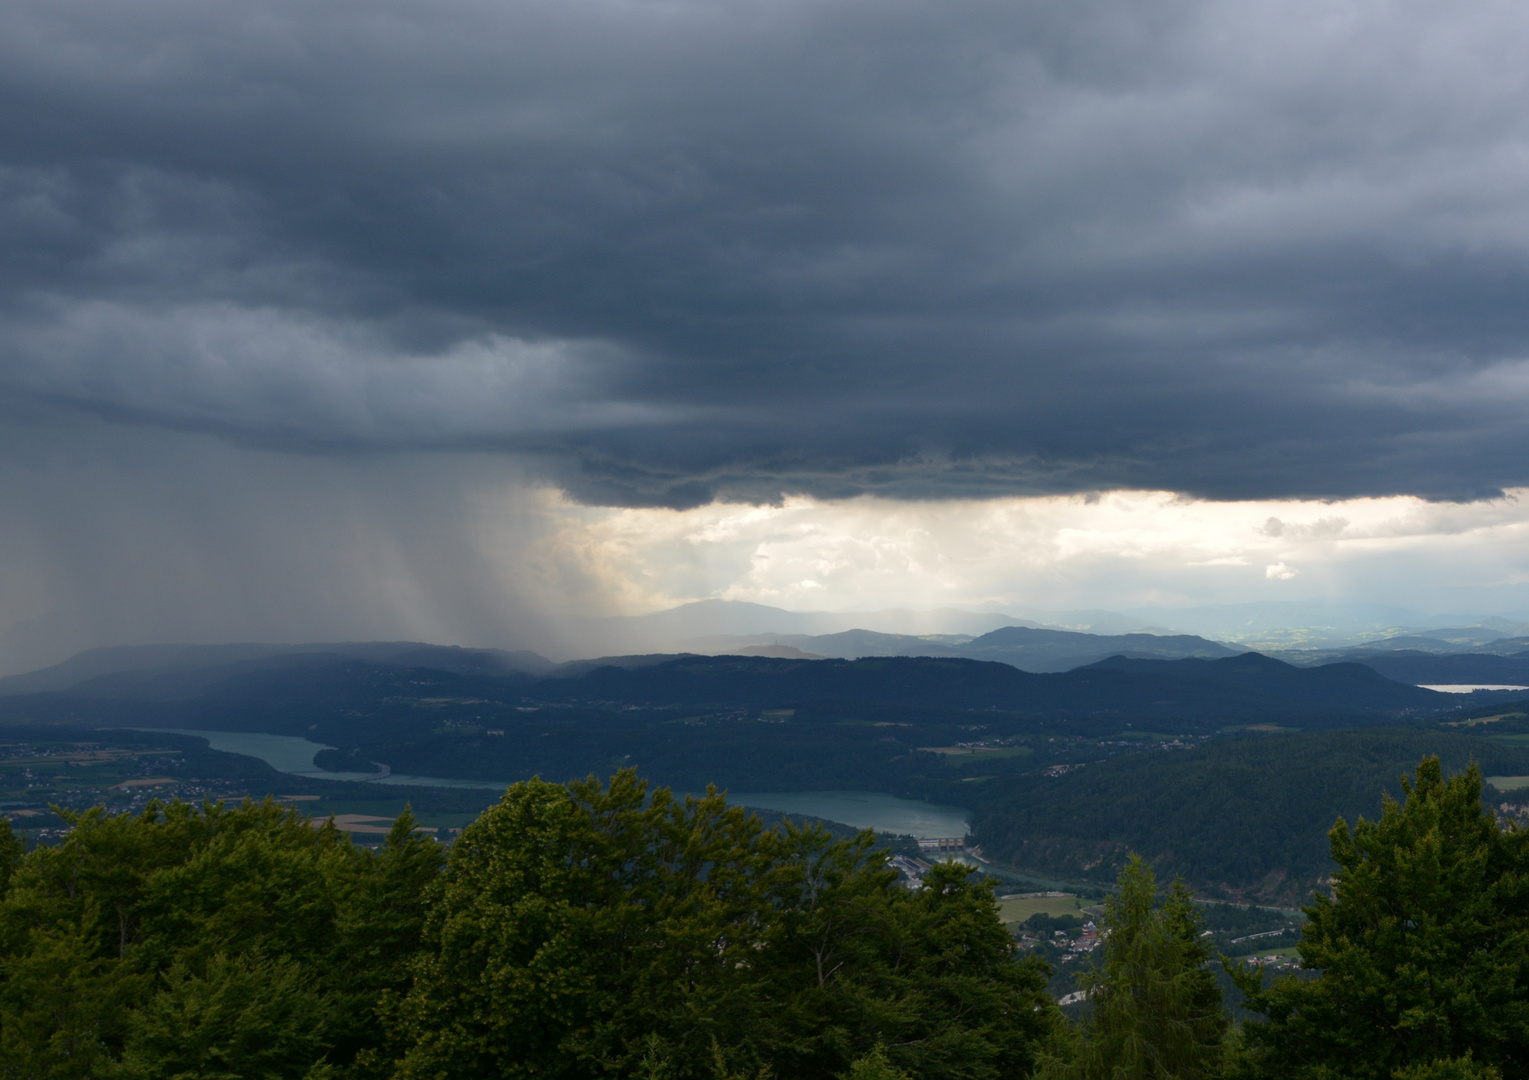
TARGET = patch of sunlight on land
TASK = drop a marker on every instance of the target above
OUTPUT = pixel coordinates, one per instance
(1507, 783)
(1288, 952)
(1014, 909)
(1473, 721)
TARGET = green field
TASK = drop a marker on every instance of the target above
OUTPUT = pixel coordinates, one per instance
(1475, 720)
(1289, 952)
(39, 773)
(1507, 783)
(1021, 908)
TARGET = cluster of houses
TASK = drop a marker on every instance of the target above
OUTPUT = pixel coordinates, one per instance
(1070, 948)
(1512, 814)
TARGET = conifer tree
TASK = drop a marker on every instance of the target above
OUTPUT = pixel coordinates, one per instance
(1423, 948)
(1156, 1009)
(12, 848)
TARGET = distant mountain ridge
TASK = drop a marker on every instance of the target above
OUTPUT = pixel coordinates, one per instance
(1030, 639)
(1197, 691)
(1249, 686)
(668, 631)
(1028, 648)
(123, 666)
(1316, 624)
(1265, 625)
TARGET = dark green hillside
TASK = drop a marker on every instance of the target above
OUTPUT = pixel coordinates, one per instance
(1352, 685)
(1244, 818)
(1406, 665)
(742, 722)
(1189, 694)
(293, 691)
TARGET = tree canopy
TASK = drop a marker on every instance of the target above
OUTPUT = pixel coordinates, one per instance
(597, 930)
(1155, 1007)
(1423, 948)
(580, 930)
(205, 941)
(585, 930)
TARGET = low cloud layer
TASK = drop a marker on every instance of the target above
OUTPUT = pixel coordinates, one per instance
(1118, 550)
(118, 533)
(661, 254)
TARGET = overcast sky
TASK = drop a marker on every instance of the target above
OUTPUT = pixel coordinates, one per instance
(467, 286)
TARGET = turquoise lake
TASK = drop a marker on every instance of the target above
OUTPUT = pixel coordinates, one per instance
(293, 755)
(863, 810)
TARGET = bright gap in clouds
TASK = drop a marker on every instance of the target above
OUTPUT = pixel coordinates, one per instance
(1113, 550)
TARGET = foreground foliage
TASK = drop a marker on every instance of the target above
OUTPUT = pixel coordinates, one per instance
(1423, 949)
(1156, 1009)
(204, 941)
(586, 931)
(576, 931)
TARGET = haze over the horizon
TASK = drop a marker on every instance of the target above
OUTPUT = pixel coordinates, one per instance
(386, 320)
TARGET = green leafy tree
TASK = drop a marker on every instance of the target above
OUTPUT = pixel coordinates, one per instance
(240, 1017)
(12, 848)
(1423, 948)
(1156, 1009)
(380, 929)
(589, 930)
(1448, 1069)
(62, 1007)
(875, 1066)
(258, 943)
(576, 920)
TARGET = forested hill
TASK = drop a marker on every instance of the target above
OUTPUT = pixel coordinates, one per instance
(1179, 695)
(1326, 685)
(1247, 687)
(1246, 817)
(1420, 667)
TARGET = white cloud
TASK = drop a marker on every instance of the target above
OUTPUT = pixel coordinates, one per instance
(1115, 549)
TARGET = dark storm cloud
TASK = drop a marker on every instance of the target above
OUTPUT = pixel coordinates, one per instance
(670, 251)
